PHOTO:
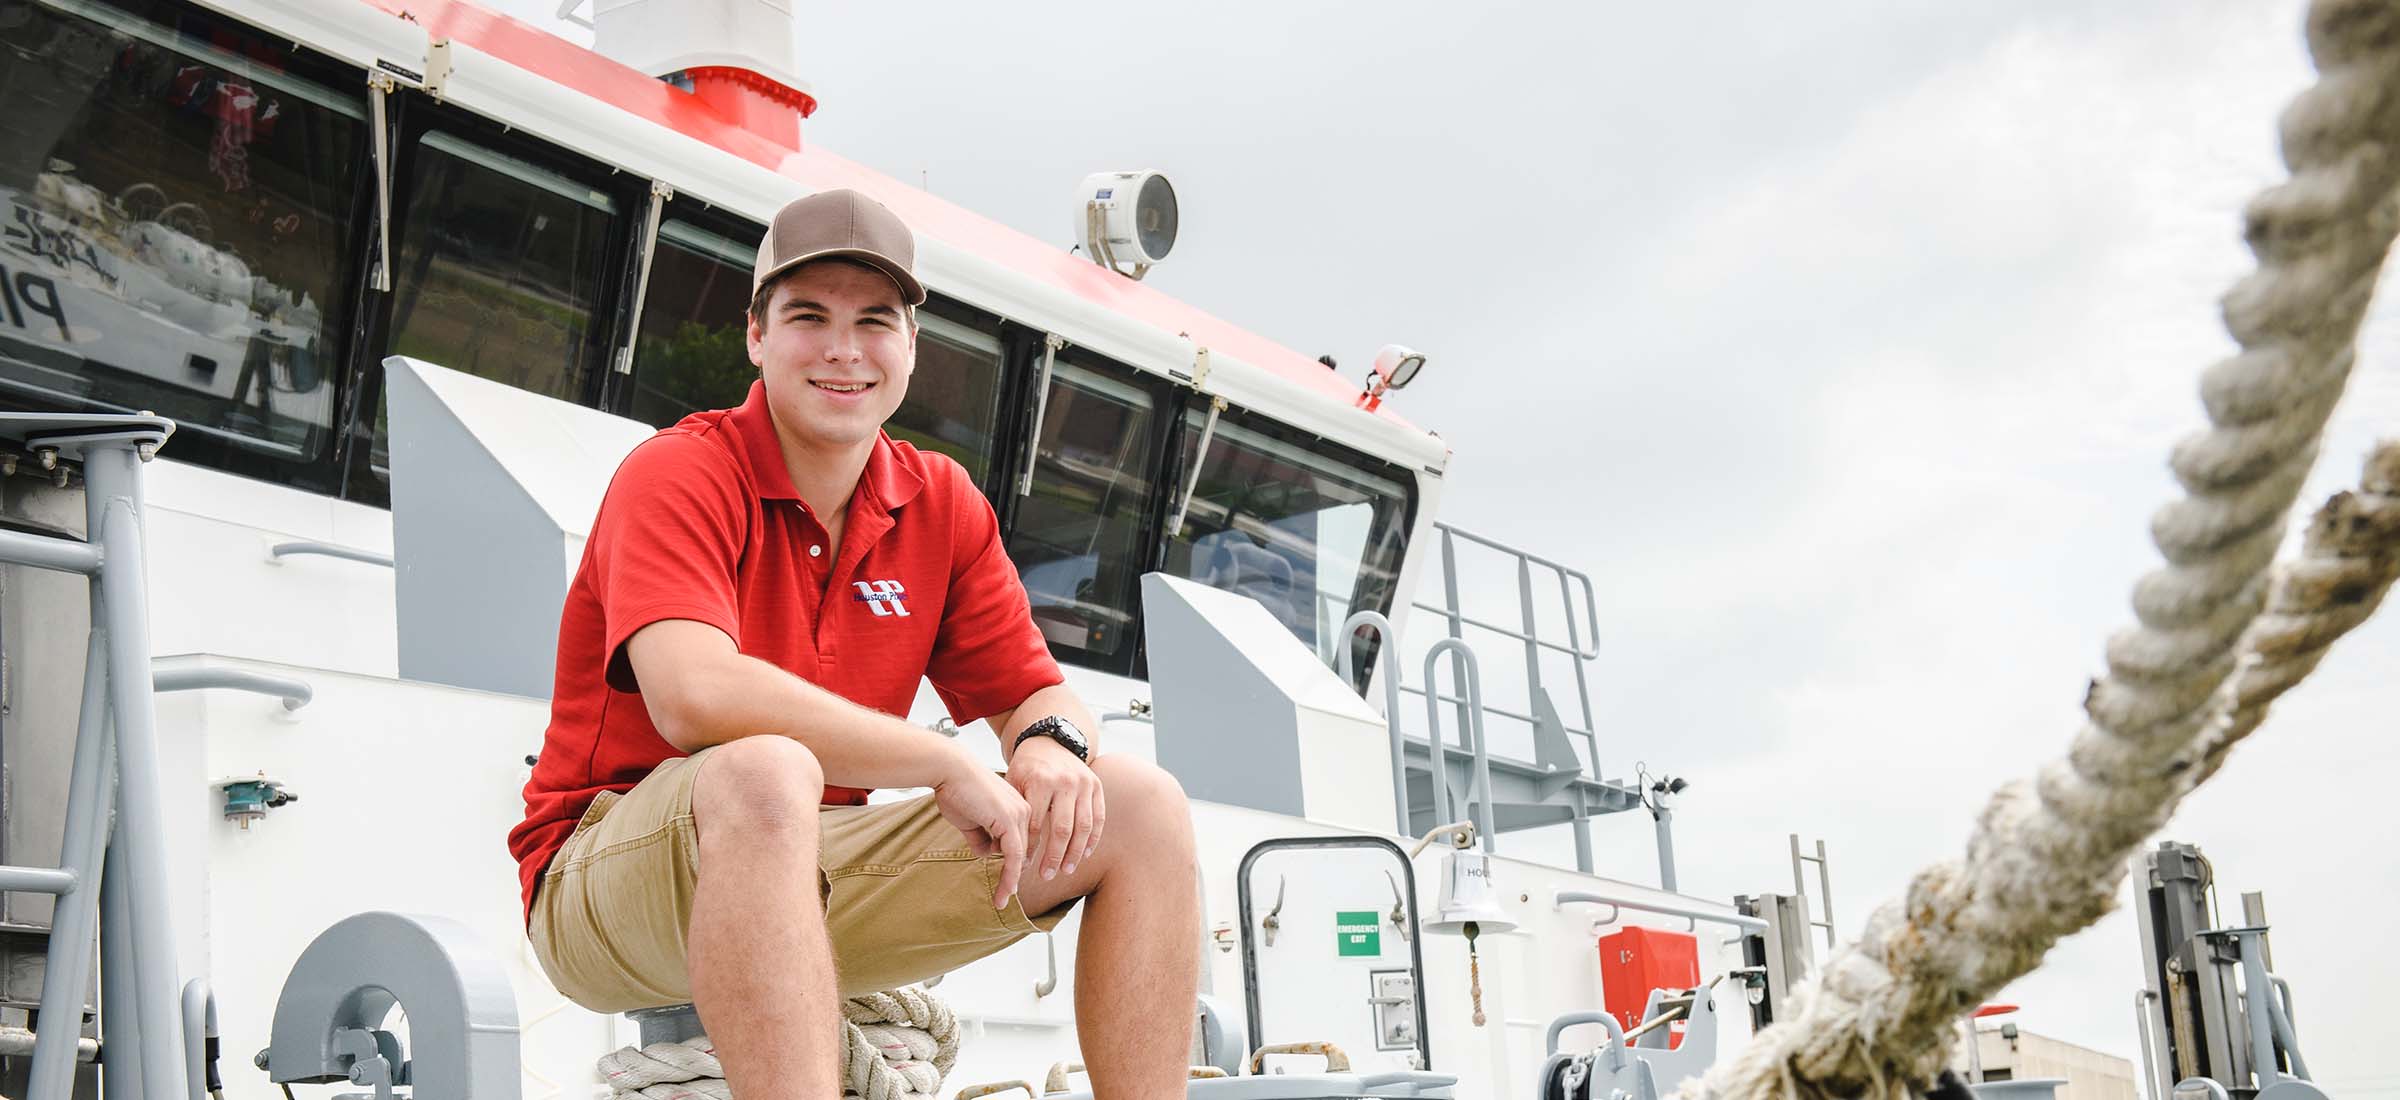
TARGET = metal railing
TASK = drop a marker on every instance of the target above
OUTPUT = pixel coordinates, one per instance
(294, 693)
(116, 768)
(299, 547)
(1563, 898)
(1581, 647)
(1469, 675)
(1581, 650)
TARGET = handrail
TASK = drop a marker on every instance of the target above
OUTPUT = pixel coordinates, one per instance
(1503, 712)
(199, 1035)
(299, 547)
(1048, 984)
(1591, 603)
(64, 555)
(2279, 1017)
(294, 693)
(1470, 677)
(1387, 654)
(1563, 898)
(1496, 628)
(38, 880)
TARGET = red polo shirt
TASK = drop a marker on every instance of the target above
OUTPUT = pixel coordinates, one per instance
(701, 522)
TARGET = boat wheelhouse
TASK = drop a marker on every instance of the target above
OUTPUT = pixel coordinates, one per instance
(268, 219)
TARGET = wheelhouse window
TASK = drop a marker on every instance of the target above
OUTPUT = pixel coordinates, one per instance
(690, 352)
(953, 400)
(500, 270)
(1311, 534)
(1077, 539)
(175, 217)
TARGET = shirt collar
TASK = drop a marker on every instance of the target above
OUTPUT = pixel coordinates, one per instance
(887, 481)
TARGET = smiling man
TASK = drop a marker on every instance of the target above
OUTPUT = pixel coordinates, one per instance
(762, 591)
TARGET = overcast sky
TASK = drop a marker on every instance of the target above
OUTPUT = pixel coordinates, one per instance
(1842, 343)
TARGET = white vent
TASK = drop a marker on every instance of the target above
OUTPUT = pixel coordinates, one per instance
(660, 37)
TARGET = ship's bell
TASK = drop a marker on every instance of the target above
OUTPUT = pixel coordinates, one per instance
(1467, 896)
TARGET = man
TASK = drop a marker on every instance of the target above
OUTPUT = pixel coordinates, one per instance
(761, 593)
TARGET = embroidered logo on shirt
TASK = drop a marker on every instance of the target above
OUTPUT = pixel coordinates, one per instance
(884, 598)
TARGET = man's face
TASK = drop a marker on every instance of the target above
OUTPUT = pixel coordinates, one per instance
(836, 350)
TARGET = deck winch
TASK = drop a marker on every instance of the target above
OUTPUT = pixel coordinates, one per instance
(1643, 1062)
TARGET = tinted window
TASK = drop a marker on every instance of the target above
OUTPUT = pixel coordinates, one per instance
(175, 209)
(1077, 537)
(1311, 535)
(954, 396)
(689, 353)
(499, 271)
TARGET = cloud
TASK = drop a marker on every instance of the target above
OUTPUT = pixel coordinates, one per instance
(1961, 338)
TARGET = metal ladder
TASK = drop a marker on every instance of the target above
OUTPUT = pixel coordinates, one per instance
(1824, 889)
(122, 870)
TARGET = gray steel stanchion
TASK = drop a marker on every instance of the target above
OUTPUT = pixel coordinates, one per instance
(120, 1027)
(112, 503)
(66, 979)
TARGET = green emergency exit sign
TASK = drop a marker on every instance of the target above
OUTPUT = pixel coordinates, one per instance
(1358, 933)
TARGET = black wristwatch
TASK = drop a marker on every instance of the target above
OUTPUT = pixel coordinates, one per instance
(1060, 730)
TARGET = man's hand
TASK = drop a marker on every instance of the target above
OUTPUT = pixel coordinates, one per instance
(1062, 803)
(991, 814)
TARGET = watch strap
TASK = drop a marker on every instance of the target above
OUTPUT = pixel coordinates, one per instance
(1056, 729)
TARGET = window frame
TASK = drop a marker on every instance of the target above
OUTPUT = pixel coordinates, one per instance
(1166, 410)
(167, 25)
(618, 390)
(1179, 472)
(412, 116)
(986, 326)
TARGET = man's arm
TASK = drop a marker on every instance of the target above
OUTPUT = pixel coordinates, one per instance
(701, 691)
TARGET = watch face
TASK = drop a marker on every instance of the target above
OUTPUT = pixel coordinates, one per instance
(1065, 733)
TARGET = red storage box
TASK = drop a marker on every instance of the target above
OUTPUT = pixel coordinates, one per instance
(1636, 960)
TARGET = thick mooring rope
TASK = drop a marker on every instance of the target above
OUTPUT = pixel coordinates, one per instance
(896, 1045)
(2199, 670)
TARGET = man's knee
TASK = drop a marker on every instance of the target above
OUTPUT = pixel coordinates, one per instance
(1141, 793)
(758, 784)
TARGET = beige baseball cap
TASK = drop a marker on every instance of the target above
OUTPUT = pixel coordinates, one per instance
(842, 224)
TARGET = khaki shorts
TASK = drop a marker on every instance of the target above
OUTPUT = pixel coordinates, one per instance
(905, 898)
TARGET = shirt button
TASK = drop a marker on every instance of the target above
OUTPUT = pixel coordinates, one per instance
(816, 551)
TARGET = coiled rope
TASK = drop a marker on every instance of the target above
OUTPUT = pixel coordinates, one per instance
(896, 1045)
(2198, 671)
